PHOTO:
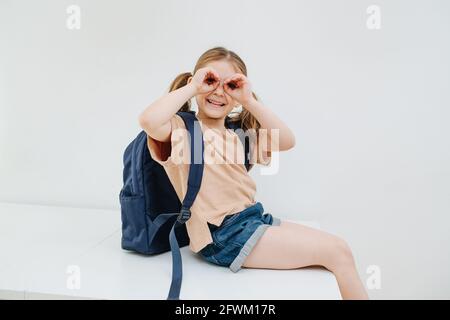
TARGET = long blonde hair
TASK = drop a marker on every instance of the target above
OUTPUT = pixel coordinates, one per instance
(219, 53)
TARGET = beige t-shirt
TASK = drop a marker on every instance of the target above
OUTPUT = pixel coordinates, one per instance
(226, 186)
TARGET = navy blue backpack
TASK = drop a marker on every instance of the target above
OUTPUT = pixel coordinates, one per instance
(152, 215)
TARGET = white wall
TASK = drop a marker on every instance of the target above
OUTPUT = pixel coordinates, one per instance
(369, 109)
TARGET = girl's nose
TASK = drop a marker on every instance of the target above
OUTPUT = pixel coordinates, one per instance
(219, 89)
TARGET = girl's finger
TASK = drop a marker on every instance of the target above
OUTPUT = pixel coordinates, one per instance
(216, 75)
(238, 77)
(229, 94)
(234, 84)
(211, 78)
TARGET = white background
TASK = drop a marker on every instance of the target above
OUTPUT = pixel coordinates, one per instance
(370, 110)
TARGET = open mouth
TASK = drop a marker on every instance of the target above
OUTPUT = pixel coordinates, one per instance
(215, 103)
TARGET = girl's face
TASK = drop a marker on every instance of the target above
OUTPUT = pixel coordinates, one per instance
(217, 104)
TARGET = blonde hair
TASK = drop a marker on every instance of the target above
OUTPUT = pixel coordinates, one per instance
(248, 121)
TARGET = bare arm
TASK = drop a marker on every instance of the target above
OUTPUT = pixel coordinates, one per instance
(238, 87)
(155, 119)
(269, 120)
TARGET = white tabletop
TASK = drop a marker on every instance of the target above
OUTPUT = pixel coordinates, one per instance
(70, 253)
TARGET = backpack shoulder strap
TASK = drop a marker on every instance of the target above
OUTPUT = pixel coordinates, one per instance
(197, 160)
(194, 182)
(235, 125)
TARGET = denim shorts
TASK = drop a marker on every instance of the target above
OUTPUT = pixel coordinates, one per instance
(235, 238)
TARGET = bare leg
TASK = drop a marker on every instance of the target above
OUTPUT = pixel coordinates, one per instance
(292, 246)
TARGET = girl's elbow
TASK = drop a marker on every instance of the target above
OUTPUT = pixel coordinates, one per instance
(141, 120)
(145, 123)
(292, 140)
(290, 143)
(286, 145)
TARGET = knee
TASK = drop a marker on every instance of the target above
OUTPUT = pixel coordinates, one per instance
(340, 255)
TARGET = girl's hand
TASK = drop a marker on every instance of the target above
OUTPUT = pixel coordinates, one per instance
(239, 88)
(205, 80)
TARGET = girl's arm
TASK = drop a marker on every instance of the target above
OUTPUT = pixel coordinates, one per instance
(269, 120)
(239, 88)
(155, 119)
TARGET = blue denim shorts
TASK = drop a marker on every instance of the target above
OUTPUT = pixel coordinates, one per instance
(234, 239)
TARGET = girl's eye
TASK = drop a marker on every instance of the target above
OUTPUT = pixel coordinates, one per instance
(232, 85)
(210, 80)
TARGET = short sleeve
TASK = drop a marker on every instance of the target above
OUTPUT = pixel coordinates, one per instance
(175, 151)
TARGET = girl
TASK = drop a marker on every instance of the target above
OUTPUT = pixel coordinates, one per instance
(227, 227)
